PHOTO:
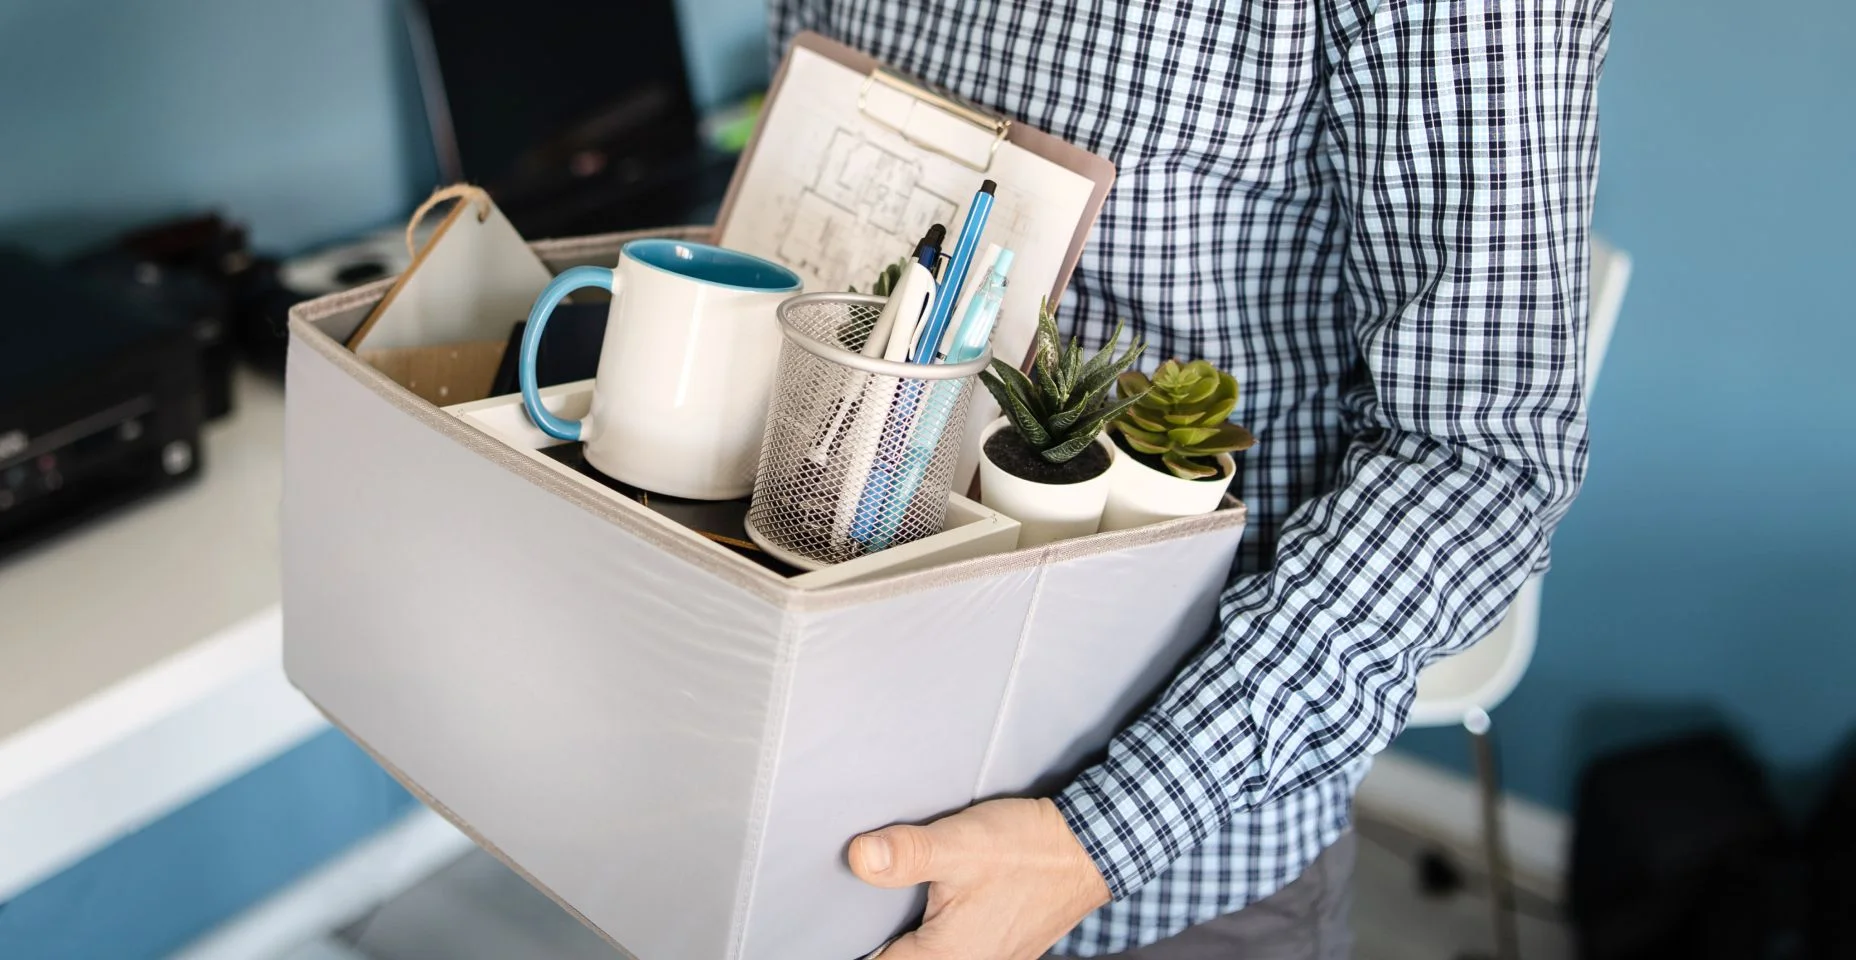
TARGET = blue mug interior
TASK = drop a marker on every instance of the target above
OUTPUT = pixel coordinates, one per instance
(724, 268)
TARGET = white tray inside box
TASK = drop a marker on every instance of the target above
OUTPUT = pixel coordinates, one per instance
(971, 529)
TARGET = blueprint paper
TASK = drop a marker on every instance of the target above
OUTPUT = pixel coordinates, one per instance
(837, 196)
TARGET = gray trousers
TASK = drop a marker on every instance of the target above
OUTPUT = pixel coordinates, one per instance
(1306, 920)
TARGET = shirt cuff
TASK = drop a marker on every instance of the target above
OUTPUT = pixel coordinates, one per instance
(1153, 799)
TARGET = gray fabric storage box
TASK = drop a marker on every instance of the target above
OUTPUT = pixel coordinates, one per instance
(672, 742)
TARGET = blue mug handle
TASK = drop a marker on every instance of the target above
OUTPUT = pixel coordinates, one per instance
(571, 279)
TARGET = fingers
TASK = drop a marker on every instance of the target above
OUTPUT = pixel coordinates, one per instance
(895, 856)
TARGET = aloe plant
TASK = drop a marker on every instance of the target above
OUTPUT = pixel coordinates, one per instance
(1181, 415)
(1062, 407)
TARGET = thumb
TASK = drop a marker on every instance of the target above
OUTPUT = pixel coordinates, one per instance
(899, 856)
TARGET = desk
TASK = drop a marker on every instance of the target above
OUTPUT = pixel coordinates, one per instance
(140, 655)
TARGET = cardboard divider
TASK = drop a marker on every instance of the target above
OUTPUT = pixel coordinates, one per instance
(971, 530)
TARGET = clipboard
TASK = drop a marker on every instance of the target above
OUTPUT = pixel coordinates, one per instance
(939, 112)
(851, 161)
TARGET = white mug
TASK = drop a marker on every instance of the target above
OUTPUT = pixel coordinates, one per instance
(686, 369)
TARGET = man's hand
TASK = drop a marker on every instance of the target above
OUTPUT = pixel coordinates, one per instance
(1006, 879)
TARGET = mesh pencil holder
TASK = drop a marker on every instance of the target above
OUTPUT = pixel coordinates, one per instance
(859, 452)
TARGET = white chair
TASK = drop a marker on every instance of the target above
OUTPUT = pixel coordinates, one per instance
(1463, 688)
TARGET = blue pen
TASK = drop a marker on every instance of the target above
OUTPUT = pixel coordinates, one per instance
(975, 330)
(888, 470)
(936, 326)
(970, 340)
(882, 485)
(929, 249)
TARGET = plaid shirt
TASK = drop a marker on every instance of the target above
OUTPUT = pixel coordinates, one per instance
(1374, 214)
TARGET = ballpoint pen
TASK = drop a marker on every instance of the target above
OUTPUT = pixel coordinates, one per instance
(929, 339)
(887, 468)
(969, 343)
(911, 301)
(981, 271)
(908, 302)
(975, 329)
(929, 249)
(913, 294)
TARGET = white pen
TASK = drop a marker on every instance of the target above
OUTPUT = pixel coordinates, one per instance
(889, 338)
(912, 300)
(876, 344)
(913, 291)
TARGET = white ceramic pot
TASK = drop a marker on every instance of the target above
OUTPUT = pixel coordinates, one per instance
(1046, 512)
(1139, 495)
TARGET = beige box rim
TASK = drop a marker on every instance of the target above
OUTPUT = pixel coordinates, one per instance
(306, 328)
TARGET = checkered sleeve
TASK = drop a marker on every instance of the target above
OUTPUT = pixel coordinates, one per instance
(1462, 140)
(785, 20)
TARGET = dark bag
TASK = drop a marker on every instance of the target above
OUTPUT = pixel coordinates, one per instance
(1833, 868)
(1679, 852)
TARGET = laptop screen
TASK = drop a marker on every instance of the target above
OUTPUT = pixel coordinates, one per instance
(556, 106)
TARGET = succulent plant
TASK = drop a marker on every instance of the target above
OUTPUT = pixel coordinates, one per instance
(1181, 415)
(1061, 408)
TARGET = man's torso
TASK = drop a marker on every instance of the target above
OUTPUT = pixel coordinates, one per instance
(1220, 241)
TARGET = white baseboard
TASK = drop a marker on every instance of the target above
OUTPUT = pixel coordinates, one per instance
(1442, 806)
(337, 893)
(134, 752)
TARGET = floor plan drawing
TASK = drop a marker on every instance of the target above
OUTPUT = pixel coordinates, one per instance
(836, 194)
(866, 207)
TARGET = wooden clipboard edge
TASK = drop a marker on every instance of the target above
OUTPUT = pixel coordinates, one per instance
(810, 41)
(1098, 170)
(418, 260)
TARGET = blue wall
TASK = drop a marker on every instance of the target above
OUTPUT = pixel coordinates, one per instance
(301, 119)
(1707, 571)
(725, 44)
(298, 118)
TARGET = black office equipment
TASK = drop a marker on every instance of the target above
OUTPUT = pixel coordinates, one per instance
(575, 115)
(194, 268)
(100, 400)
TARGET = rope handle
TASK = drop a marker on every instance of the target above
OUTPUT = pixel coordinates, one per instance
(457, 191)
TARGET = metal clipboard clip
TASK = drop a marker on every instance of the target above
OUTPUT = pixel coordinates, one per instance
(884, 81)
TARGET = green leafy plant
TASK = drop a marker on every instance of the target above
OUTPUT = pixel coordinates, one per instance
(1061, 408)
(1181, 415)
(887, 280)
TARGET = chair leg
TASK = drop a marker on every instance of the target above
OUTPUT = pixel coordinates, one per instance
(1501, 891)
